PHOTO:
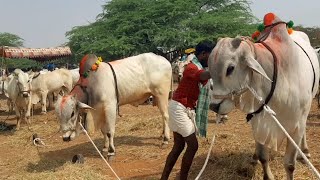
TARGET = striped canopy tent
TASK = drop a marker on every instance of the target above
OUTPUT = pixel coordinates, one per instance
(37, 54)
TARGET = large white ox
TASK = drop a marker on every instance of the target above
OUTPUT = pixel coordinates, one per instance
(236, 64)
(19, 92)
(138, 78)
(50, 82)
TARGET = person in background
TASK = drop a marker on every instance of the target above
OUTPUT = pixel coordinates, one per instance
(187, 53)
(181, 111)
(51, 67)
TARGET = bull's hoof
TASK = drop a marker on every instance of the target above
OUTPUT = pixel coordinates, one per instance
(110, 158)
(164, 145)
(254, 160)
(79, 159)
(43, 112)
(300, 159)
(108, 155)
(306, 153)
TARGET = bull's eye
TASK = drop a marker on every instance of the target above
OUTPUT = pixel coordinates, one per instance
(229, 70)
(72, 114)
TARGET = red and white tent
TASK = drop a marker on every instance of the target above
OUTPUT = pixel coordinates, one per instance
(38, 54)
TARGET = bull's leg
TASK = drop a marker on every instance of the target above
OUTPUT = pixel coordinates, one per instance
(304, 148)
(50, 99)
(162, 101)
(108, 129)
(18, 118)
(10, 105)
(291, 154)
(263, 155)
(44, 95)
(28, 112)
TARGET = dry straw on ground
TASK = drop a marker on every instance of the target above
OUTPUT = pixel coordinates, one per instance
(138, 151)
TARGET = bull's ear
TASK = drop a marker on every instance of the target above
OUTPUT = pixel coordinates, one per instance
(84, 107)
(256, 67)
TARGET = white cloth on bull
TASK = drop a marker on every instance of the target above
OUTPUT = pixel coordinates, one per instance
(181, 119)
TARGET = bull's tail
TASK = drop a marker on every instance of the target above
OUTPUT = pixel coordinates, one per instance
(171, 88)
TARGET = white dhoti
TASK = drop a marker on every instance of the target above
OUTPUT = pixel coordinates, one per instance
(181, 119)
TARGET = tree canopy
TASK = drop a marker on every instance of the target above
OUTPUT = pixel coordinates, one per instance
(8, 39)
(126, 27)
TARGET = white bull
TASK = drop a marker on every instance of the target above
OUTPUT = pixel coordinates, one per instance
(178, 67)
(236, 64)
(177, 70)
(19, 92)
(138, 78)
(5, 79)
(50, 82)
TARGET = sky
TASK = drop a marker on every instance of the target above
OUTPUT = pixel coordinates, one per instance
(43, 23)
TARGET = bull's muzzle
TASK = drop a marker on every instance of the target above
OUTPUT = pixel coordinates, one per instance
(66, 139)
(69, 136)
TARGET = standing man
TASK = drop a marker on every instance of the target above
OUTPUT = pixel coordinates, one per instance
(182, 111)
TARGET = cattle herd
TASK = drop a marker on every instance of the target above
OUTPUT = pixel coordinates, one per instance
(238, 67)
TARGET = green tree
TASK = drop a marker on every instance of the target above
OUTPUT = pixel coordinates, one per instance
(127, 27)
(8, 39)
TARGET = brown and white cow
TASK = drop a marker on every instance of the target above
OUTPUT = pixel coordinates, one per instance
(138, 78)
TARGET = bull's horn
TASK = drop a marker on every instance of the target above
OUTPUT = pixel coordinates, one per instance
(236, 42)
(84, 107)
(256, 67)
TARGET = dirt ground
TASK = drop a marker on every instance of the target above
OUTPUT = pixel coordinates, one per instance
(138, 151)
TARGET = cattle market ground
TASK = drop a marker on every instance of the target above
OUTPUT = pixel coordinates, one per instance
(139, 155)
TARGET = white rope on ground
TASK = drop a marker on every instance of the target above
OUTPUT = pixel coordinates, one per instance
(85, 131)
(272, 113)
(207, 159)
